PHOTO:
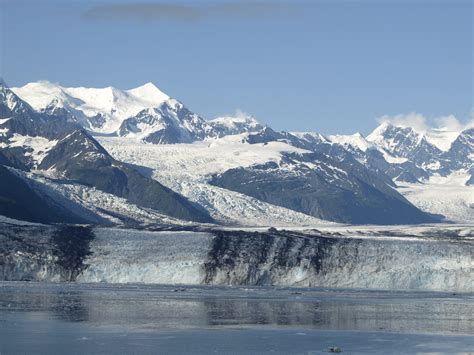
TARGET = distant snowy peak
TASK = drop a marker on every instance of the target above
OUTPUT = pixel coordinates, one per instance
(100, 109)
(403, 142)
(10, 103)
(311, 137)
(423, 152)
(169, 123)
(231, 125)
(149, 93)
(461, 152)
(355, 140)
(389, 136)
(172, 122)
(441, 138)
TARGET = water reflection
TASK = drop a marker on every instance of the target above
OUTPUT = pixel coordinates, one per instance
(165, 307)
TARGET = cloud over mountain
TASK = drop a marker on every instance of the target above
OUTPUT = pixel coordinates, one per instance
(421, 124)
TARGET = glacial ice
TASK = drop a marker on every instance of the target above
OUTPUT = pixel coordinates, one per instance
(371, 259)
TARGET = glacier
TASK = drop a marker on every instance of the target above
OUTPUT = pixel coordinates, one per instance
(404, 258)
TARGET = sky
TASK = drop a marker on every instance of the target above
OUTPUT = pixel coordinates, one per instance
(332, 66)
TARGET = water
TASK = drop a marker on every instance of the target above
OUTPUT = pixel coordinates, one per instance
(109, 319)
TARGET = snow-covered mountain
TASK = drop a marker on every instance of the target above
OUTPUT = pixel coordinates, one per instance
(99, 110)
(144, 113)
(406, 142)
(168, 123)
(141, 147)
(434, 168)
(408, 155)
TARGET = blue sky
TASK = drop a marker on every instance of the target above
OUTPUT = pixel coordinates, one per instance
(326, 66)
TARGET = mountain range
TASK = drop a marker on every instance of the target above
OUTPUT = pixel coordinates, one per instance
(108, 156)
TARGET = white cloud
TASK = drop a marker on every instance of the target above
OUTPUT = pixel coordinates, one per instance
(241, 114)
(449, 123)
(414, 120)
(421, 124)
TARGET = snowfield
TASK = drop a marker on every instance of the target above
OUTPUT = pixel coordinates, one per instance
(198, 160)
(38, 147)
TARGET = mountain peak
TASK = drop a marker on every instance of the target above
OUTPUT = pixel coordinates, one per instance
(104, 108)
(149, 85)
(149, 92)
(355, 140)
(379, 133)
(10, 102)
(380, 129)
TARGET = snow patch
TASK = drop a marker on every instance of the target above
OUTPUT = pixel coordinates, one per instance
(37, 147)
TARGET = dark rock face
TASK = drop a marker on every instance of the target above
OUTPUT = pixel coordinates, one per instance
(267, 135)
(55, 252)
(72, 247)
(97, 121)
(323, 188)
(461, 152)
(169, 135)
(11, 104)
(253, 258)
(19, 201)
(470, 182)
